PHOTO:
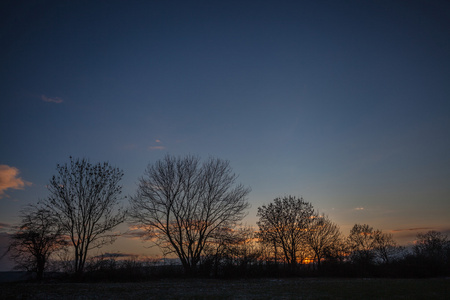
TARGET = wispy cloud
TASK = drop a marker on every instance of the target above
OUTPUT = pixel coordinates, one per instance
(116, 255)
(52, 99)
(8, 228)
(140, 233)
(135, 233)
(156, 148)
(413, 229)
(408, 236)
(4, 225)
(9, 179)
(359, 208)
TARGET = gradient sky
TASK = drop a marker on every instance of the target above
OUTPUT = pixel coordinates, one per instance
(346, 103)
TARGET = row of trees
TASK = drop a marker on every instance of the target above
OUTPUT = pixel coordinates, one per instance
(193, 209)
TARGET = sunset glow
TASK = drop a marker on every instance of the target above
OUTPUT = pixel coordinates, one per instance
(343, 103)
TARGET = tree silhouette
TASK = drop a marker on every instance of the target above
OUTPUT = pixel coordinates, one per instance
(183, 204)
(432, 250)
(432, 244)
(284, 223)
(84, 198)
(367, 244)
(38, 237)
(362, 242)
(386, 249)
(322, 236)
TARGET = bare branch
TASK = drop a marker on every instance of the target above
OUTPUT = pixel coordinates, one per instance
(84, 197)
(184, 203)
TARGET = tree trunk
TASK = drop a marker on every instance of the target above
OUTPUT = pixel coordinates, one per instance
(40, 269)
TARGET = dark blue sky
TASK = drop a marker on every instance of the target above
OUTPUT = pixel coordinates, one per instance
(346, 103)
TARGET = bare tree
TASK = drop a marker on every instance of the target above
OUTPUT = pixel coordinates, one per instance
(84, 197)
(269, 248)
(183, 204)
(339, 251)
(386, 249)
(284, 222)
(322, 235)
(38, 237)
(366, 244)
(231, 247)
(433, 246)
(362, 242)
(218, 248)
(246, 251)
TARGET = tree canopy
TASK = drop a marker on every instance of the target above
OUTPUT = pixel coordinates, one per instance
(84, 198)
(183, 204)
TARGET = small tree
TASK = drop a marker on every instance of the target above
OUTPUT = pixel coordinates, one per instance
(433, 245)
(284, 223)
(231, 248)
(38, 237)
(184, 204)
(322, 236)
(367, 244)
(386, 249)
(217, 249)
(362, 243)
(339, 252)
(245, 251)
(432, 250)
(84, 199)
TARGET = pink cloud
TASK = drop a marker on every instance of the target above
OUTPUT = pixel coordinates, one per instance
(135, 233)
(156, 148)
(4, 225)
(52, 100)
(7, 228)
(116, 255)
(9, 179)
(412, 229)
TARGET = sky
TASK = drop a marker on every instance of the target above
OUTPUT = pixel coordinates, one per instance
(344, 103)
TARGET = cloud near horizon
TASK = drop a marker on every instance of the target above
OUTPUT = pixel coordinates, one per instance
(408, 236)
(8, 229)
(135, 233)
(156, 148)
(116, 255)
(9, 179)
(52, 99)
(413, 229)
(4, 225)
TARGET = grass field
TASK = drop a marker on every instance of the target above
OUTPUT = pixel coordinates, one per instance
(295, 288)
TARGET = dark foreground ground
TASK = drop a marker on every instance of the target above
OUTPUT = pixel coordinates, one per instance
(294, 288)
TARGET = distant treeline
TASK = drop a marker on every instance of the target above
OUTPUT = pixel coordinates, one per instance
(429, 257)
(193, 211)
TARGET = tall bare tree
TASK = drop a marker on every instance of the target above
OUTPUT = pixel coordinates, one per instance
(285, 222)
(85, 198)
(38, 237)
(322, 236)
(183, 203)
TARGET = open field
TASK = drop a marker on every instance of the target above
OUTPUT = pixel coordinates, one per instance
(293, 288)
